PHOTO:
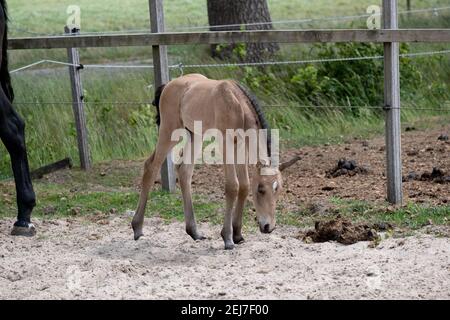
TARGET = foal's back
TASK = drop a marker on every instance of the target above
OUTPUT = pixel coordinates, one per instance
(216, 103)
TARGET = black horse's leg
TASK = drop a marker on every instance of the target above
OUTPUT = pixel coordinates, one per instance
(12, 133)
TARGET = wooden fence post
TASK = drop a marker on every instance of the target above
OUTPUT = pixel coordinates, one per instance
(161, 76)
(78, 104)
(392, 106)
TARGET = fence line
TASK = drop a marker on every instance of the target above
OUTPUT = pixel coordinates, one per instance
(182, 66)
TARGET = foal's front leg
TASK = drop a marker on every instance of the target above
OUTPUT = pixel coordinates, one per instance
(12, 133)
(231, 192)
(244, 186)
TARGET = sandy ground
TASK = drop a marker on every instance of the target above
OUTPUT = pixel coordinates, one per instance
(73, 258)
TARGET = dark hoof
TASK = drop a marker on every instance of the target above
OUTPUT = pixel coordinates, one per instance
(229, 246)
(137, 233)
(137, 236)
(25, 231)
(195, 235)
(198, 237)
(137, 230)
(238, 239)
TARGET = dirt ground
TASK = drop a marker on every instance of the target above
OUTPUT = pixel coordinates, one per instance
(307, 180)
(77, 258)
(80, 260)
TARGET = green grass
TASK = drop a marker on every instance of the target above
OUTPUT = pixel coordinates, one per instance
(408, 217)
(49, 17)
(102, 194)
(92, 195)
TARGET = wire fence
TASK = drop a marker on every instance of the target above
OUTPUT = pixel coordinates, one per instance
(182, 66)
(287, 105)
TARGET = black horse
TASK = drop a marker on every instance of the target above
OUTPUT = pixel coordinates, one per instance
(12, 133)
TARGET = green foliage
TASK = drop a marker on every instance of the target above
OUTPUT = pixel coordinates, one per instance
(308, 84)
(240, 51)
(356, 82)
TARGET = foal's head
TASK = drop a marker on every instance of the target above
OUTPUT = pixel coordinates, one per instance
(266, 188)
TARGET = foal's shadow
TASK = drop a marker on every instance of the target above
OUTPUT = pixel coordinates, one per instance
(147, 251)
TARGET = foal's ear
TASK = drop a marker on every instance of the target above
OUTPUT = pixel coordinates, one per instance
(289, 163)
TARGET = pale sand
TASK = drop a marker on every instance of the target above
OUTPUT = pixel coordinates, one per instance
(76, 259)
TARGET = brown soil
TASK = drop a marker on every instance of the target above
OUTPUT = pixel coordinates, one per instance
(346, 167)
(340, 230)
(306, 181)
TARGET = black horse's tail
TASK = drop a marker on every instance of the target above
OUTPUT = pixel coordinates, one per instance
(5, 78)
(155, 102)
(259, 112)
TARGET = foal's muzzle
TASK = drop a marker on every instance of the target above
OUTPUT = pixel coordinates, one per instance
(266, 228)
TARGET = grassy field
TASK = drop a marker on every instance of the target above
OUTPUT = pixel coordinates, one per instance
(123, 131)
(49, 17)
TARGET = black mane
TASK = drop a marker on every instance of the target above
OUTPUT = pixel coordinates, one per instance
(155, 102)
(5, 78)
(262, 119)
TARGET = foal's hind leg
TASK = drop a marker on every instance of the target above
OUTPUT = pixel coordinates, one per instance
(12, 133)
(151, 169)
(185, 171)
(185, 178)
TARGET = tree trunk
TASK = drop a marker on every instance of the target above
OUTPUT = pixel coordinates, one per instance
(233, 15)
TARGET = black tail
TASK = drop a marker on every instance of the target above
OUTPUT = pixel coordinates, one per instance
(262, 119)
(155, 102)
(5, 78)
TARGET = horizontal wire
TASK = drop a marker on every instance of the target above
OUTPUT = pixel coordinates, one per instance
(244, 64)
(44, 61)
(264, 106)
(182, 66)
(301, 21)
